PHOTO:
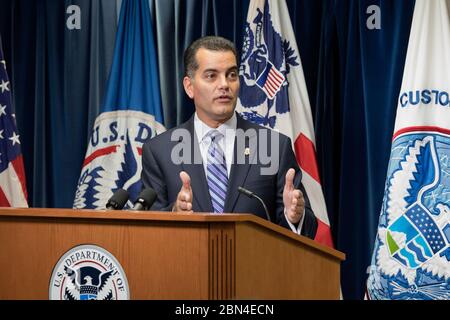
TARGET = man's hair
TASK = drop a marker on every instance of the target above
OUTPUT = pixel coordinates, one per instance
(212, 43)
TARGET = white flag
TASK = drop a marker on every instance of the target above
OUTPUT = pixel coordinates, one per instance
(411, 258)
(273, 93)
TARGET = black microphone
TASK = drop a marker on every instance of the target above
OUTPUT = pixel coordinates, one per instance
(144, 200)
(250, 194)
(118, 200)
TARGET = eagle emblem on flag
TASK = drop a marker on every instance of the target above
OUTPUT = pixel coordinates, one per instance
(413, 243)
(266, 62)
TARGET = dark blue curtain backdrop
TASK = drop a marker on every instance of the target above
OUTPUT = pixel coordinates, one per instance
(360, 74)
(353, 75)
(58, 79)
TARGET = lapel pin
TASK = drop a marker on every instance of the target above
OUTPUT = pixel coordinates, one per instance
(247, 151)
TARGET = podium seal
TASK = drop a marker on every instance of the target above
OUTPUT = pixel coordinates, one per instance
(88, 272)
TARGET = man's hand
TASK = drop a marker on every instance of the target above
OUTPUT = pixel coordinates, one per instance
(294, 202)
(184, 198)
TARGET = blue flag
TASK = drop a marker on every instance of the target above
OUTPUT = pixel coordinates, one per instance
(131, 113)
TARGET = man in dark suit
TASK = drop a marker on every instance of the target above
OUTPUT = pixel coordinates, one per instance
(199, 165)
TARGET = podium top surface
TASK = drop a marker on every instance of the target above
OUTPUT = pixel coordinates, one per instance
(128, 215)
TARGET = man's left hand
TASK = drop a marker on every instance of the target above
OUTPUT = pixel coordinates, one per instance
(294, 202)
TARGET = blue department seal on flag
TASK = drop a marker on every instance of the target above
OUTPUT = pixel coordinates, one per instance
(113, 158)
(412, 248)
(88, 272)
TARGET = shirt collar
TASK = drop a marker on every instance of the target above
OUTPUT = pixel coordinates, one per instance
(202, 129)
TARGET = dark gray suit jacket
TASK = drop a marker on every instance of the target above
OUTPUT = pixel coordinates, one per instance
(162, 174)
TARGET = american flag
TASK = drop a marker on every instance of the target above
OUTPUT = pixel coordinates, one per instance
(270, 81)
(13, 191)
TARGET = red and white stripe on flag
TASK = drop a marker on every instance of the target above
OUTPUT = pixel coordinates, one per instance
(13, 192)
(271, 81)
(297, 123)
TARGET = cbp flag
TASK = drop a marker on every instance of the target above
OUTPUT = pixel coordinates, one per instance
(131, 113)
(411, 258)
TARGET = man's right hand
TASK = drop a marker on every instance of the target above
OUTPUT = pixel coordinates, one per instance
(184, 198)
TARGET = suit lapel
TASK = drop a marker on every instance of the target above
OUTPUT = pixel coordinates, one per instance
(196, 171)
(239, 170)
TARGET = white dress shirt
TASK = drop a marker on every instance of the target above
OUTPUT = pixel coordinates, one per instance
(226, 142)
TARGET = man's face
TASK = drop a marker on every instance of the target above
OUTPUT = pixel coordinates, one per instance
(214, 86)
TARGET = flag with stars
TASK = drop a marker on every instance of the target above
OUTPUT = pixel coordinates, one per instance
(13, 191)
(411, 257)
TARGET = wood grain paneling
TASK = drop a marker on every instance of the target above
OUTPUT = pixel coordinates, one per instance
(160, 260)
(271, 268)
(222, 280)
(169, 255)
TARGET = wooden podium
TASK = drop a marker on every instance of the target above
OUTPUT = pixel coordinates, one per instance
(169, 255)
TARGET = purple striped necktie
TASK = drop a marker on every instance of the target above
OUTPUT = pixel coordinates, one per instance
(216, 172)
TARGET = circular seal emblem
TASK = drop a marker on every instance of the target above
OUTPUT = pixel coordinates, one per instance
(114, 157)
(88, 272)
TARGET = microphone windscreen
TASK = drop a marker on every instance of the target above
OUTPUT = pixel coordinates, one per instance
(147, 197)
(118, 200)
